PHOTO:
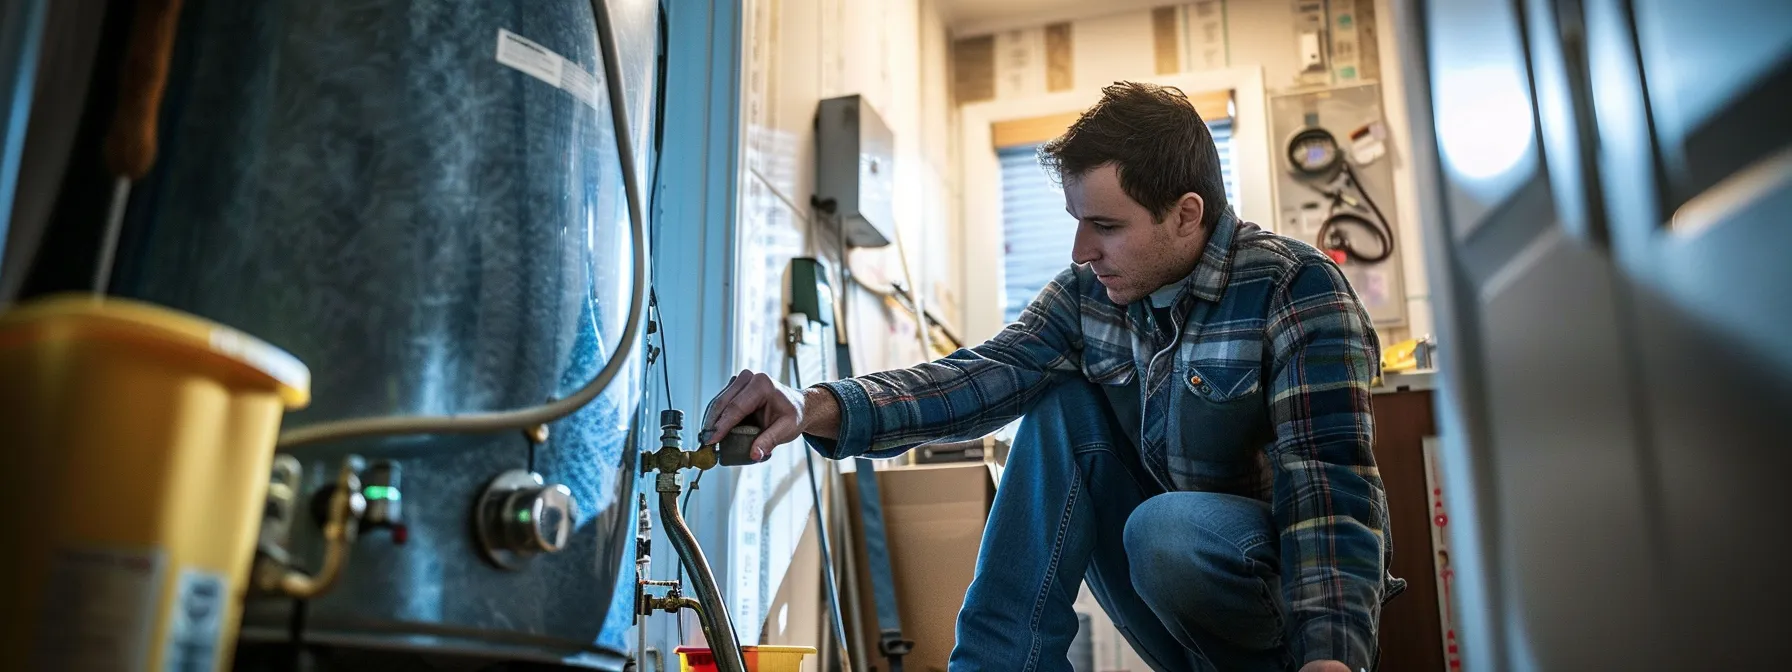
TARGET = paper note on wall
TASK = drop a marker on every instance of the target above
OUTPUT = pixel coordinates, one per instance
(1206, 38)
(1020, 63)
(1374, 286)
(1368, 143)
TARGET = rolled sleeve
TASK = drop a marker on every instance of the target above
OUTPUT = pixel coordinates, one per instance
(856, 418)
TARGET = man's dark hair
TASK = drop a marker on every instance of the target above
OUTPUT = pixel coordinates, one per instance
(1157, 142)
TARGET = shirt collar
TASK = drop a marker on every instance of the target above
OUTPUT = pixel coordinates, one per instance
(1214, 270)
(1165, 296)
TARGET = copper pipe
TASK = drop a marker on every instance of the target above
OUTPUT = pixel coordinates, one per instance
(346, 505)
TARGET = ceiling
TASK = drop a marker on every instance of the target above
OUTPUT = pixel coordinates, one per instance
(975, 17)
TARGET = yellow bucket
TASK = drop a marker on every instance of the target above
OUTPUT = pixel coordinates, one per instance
(136, 443)
(775, 658)
(758, 658)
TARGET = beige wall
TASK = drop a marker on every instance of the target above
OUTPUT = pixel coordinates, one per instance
(893, 52)
(1202, 35)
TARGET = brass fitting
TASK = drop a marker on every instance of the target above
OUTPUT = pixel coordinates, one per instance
(346, 507)
(670, 604)
(669, 459)
(671, 456)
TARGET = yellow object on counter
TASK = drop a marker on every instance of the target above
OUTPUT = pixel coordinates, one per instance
(1402, 356)
(137, 443)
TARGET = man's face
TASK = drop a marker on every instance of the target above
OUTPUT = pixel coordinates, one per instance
(1132, 253)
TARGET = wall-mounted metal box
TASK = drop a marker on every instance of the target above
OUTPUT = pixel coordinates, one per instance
(1302, 201)
(855, 165)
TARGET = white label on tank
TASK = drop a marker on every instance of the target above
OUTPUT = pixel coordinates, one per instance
(532, 59)
(579, 83)
(99, 609)
(196, 621)
(542, 63)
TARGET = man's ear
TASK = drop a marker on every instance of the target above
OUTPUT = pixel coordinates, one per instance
(1188, 213)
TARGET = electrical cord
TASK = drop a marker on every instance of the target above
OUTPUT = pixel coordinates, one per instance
(829, 209)
(906, 293)
(664, 359)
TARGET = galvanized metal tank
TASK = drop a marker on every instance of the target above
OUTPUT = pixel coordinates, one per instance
(433, 229)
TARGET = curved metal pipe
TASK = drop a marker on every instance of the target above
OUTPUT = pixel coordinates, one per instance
(346, 506)
(717, 625)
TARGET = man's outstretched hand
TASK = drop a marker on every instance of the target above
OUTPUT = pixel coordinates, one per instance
(1325, 666)
(781, 412)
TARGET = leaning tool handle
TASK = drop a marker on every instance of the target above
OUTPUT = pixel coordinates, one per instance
(890, 642)
(131, 142)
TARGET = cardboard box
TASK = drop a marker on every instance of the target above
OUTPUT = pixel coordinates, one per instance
(934, 517)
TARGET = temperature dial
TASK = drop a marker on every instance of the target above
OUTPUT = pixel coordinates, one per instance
(520, 516)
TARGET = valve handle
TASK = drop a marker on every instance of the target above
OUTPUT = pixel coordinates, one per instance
(736, 449)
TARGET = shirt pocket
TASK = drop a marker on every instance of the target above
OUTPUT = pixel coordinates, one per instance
(1222, 424)
(1221, 381)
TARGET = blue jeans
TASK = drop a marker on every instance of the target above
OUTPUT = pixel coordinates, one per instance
(1190, 578)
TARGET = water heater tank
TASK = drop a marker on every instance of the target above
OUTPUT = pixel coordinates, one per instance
(423, 201)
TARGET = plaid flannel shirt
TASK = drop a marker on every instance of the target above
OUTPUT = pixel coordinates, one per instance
(1261, 388)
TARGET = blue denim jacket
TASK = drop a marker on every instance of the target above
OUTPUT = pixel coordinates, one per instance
(1263, 391)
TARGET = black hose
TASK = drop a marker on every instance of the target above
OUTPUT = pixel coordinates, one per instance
(1332, 236)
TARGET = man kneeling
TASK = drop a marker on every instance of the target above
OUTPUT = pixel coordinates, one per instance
(1196, 433)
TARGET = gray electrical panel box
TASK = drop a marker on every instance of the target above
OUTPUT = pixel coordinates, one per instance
(855, 166)
(1352, 114)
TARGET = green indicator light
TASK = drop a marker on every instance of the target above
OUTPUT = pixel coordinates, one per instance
(380, 492)
(523, 516)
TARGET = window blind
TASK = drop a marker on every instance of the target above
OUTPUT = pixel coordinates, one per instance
(1036, 231)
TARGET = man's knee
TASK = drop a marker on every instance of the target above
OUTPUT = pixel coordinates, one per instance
(1170, 549)
(1207, 560)
(1179, 527)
